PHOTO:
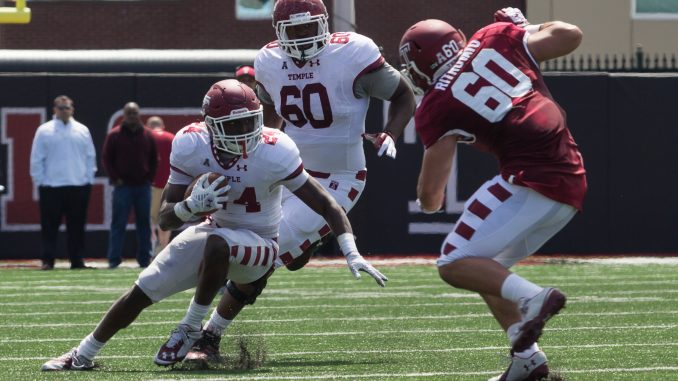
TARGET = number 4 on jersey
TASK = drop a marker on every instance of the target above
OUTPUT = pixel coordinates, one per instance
(249, 199)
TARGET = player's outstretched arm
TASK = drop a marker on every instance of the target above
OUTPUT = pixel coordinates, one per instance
(549, 40)
(554, 39)
(317, 198)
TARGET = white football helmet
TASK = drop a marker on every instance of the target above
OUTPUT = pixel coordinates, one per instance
(290, 13)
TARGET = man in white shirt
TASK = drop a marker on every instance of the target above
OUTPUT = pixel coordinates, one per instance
(63, 163)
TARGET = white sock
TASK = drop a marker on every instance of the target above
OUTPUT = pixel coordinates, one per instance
(528, 352)
(217, 324)
(195, 314)
(89, 347)
(515, 288)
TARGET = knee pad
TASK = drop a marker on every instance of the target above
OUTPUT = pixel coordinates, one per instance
(257, 287)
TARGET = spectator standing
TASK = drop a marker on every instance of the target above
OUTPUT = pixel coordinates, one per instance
(163, 144)
(130, 159)
(63, 163)
(245, 74)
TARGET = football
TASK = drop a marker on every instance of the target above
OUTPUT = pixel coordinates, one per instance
(211, 177)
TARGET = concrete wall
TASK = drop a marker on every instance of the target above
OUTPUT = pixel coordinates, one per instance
(608, 26)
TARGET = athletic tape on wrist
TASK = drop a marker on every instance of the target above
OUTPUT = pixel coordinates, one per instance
(182, 212)
(347, 243)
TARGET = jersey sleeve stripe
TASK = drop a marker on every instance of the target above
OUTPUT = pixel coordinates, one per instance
(296, 172)
(179, 170)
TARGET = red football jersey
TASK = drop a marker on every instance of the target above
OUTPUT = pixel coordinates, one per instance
(495, 97)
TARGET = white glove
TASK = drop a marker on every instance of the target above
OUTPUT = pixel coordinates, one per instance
(384, 142)
(205, 197)
(512, 15)
(357, 263)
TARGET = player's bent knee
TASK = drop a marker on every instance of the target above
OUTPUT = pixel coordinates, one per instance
(248, 293)
(216, 249)
(448, 274)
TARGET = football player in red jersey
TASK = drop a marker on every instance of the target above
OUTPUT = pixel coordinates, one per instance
(488, 92)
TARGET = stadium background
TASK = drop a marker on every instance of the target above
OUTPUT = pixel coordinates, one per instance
(624, 123)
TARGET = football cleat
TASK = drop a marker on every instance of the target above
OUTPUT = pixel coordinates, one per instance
(532, 368)
(177, 346)
(536, 311)
(205, 351)
(69, 361)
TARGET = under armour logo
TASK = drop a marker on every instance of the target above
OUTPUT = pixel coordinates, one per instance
(206, 163)
(334, 185)
(168, 355)
(527, 366)
(317, 62)
(238, 167)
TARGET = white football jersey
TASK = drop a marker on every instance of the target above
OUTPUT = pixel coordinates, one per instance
(322, 115)
(256, 180)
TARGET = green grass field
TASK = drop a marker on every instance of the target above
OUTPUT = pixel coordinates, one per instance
(621, 323)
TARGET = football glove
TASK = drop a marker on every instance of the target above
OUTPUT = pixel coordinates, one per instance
(512, 15)
(357, 263)
(205, 197)
(384, 142)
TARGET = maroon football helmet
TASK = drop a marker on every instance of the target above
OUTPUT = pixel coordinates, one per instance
(428, 49)
(234, 117)
(290, 13)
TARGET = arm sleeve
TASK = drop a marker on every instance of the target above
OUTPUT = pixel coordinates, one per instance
(179, 157)
(263, 95)
(108, 157)
(91, 158)
(38, 159)
(296, 179)
(381, 83)
(288, 166)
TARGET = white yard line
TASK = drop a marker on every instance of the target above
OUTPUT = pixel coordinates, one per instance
(350, 297)
(278, 287)
(312, 319)
(321, 353)
(390, 375)
(294, 295)
(631, 327)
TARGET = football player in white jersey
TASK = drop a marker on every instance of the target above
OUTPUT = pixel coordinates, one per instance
(317, 86)
(238, 239)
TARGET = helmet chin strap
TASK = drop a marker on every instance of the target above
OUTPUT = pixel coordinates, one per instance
(244, 149)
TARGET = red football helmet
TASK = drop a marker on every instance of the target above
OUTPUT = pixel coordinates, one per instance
(234, 117)
(428, 49)
(290, 13)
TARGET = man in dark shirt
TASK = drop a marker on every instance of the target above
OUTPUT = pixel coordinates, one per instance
(130, 159)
